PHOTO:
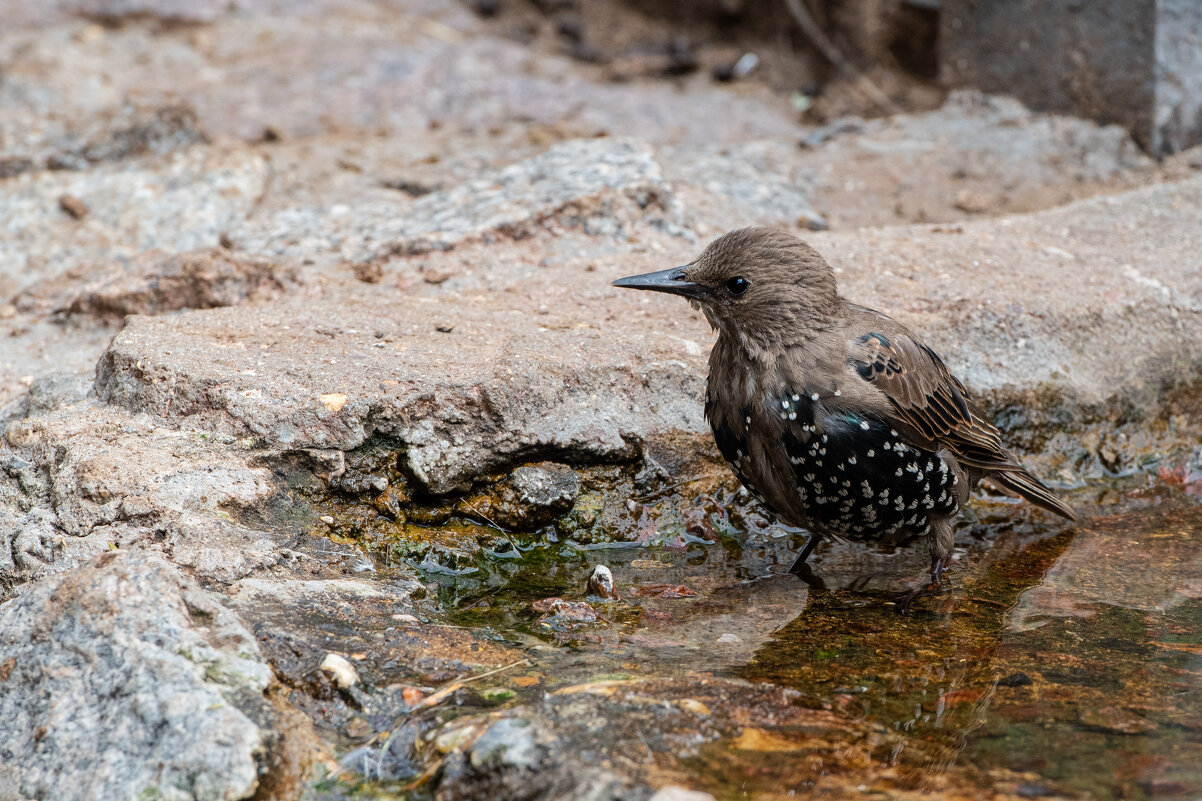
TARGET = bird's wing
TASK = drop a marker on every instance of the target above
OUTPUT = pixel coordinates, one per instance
(928, 398)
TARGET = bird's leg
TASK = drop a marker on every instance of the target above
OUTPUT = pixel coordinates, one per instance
(802, 570)
(799, 565)
(938, 565)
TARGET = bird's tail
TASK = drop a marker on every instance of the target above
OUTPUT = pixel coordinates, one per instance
(1031, 488)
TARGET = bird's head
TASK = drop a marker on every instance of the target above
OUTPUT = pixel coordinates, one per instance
(763, 287)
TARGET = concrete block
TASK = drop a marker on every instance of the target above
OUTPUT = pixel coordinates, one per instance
(1137, 63)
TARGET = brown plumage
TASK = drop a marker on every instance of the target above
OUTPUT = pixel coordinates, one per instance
(837, 417)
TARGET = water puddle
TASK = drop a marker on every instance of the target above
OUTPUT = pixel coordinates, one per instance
(1059, 661)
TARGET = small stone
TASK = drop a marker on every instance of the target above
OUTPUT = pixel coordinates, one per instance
(73, 206)
(342, 671)
(369, 272)
(601, 582)
(333, 401)
(728, 638)
(693, 706)
(971, 202)
(450, 740)
(681, 58)
(357, 728)
(329, 521)
(562, 615)
(745, 65)
(1015, 680)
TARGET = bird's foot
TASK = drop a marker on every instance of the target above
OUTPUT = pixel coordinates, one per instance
(904, 601)
(938, 565)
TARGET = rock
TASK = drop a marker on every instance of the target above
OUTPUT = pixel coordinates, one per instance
(130, 130)
(153, 283)
(530, 497)
(1118, 61)
(510, 742)
(509, 759)
(73, 206)
(96, 478)
(328, 596)
(175, 202)
(757, 183)
(1012, 292)
(124, 678)
(47, 393)
(975, 154)
(601, 583)
(572, 370)
(561, 615)
(586, 183)
(494, 399)
(342, 671)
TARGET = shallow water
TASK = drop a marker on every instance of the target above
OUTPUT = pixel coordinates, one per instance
(1059, 660)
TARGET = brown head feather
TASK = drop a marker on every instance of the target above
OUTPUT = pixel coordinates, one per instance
(791, 294)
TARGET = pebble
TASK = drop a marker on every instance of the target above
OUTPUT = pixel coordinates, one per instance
(601, 582)
(342, 671)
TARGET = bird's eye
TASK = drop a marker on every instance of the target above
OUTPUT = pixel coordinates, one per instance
(738, 285)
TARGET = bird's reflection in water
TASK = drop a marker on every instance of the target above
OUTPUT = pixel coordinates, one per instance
(927, 679)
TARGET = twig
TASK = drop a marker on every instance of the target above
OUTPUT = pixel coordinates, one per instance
(670, 487)
(440, 695)
(820, 40)
(489, 520)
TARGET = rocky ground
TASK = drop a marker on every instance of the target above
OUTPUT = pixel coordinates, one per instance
(317, 398)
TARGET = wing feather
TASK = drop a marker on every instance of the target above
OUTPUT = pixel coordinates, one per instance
(929, 399)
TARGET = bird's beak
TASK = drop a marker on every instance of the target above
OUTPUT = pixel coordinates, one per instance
(672, 281)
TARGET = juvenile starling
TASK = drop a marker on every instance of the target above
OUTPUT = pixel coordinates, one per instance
(834, 416)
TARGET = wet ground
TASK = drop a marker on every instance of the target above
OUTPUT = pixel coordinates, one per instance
(1056, 661)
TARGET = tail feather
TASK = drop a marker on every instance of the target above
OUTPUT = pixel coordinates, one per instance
(1023, 483)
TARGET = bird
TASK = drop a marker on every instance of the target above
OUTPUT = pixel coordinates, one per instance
(835, 417)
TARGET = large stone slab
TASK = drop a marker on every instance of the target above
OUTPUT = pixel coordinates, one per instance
(1095, 305)
(1135, 63)
(82, 481)
(179, 201)
(125, 680)
(467, 385)
(582, 182)
(307, 68)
